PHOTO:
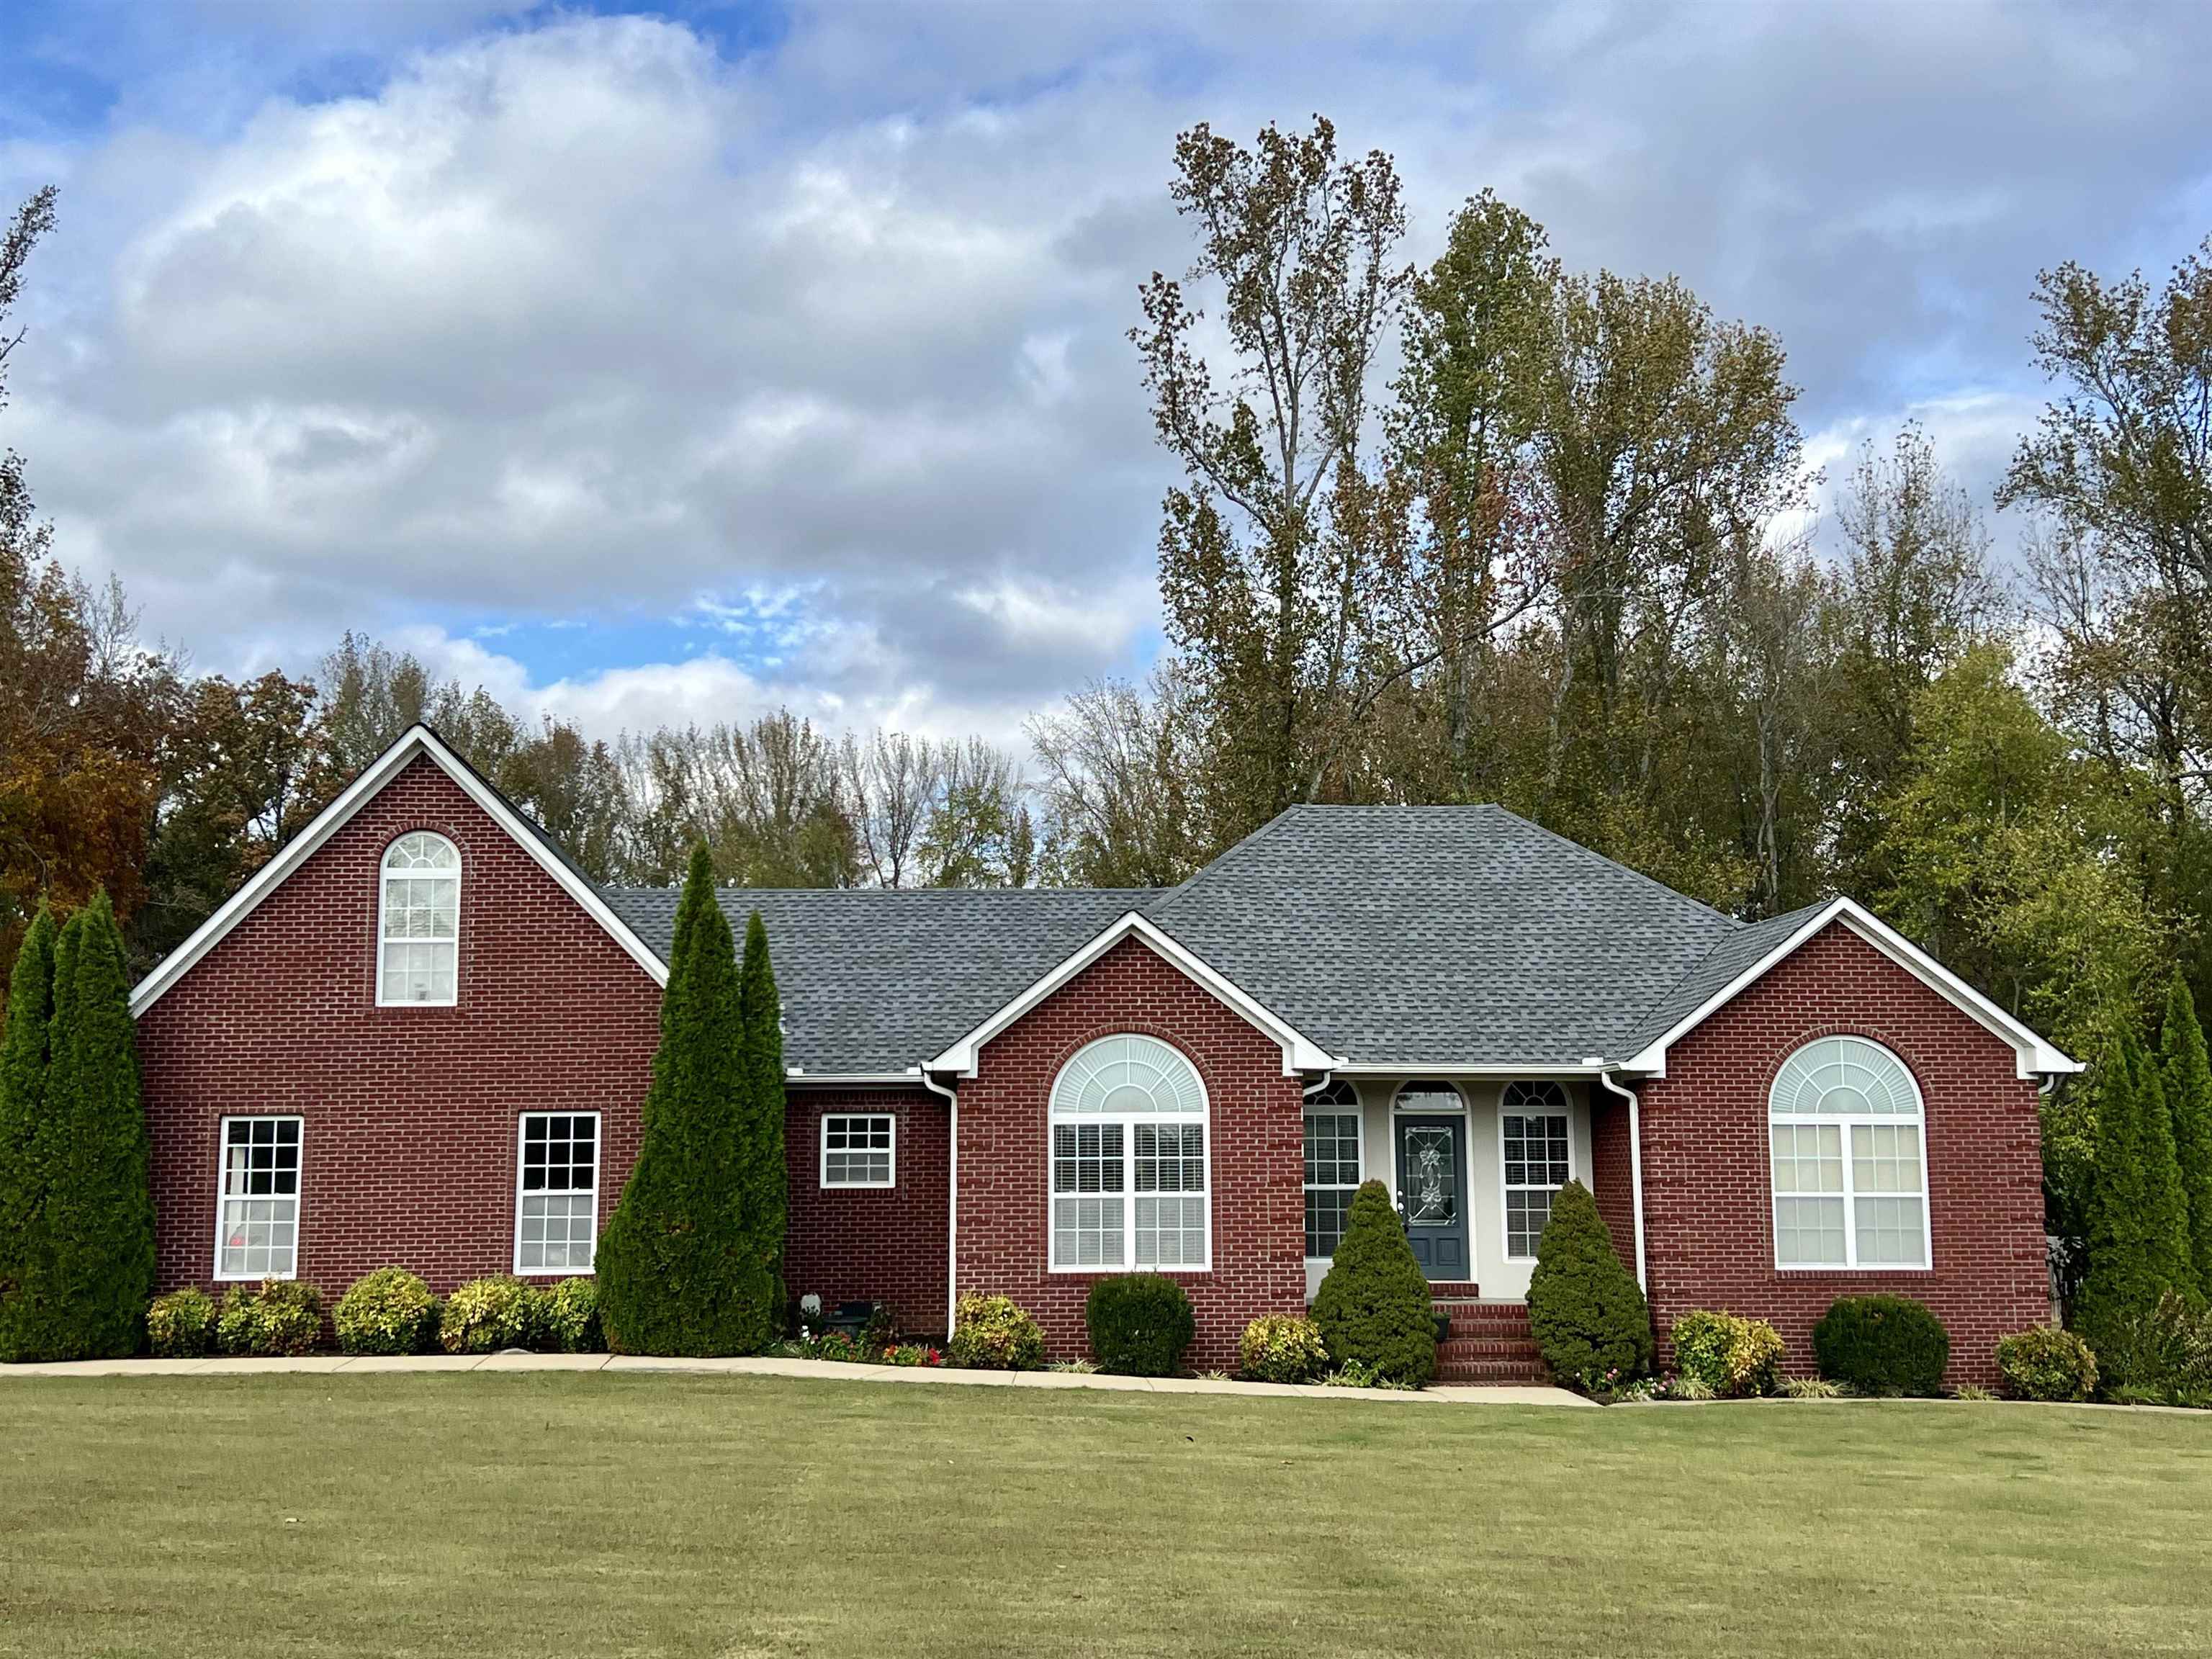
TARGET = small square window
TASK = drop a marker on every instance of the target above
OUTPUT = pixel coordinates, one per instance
(859, 1149)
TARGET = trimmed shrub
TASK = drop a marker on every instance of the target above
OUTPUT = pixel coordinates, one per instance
(1374, 1308)
(282, 1318)
(572, 1316)
(1282, 1348)
(1140, 1324)
(389, 1310)
(1735, 1357)
(181, 1325)
(993, 1334)
(1882, 1345)
(487, 1314)
(678, 1271)
(1584, 1308)
(2161, 1355)
(2044, 1363)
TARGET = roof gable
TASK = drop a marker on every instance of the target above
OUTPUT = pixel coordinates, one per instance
(418, 743)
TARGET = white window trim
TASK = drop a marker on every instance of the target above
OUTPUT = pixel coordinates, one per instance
(1505, 1187)
(1843, 1125)
(822, 1170)
(299, 1198)
(1130, 1193)
(598, 1159)
(1356, 1112)
(384, 873)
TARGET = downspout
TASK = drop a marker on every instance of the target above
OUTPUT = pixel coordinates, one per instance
(953, 1199)
(1635, 1168)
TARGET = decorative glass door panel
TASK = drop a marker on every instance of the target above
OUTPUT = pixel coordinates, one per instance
(1432, 1193)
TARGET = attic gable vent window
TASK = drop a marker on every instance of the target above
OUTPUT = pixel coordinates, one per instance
(419, 922)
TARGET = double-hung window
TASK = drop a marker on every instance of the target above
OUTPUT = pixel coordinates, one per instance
(1332, 1166)
(257, 1212)
(419, 922)
(1130, 1159)
(1533, 1122)
(859, 1149)
(556, 1202)
(1850, 1189)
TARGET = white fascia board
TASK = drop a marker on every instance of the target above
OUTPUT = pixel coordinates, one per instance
(797, 1077)
(2034, 1057)
(1300, 1053)
(1416, 1069)
(416, 741)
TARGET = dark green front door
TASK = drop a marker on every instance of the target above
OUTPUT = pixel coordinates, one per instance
(1432, 1193)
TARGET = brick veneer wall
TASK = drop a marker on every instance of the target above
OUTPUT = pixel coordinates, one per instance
(871, 1243)
(409, 1147)
(1257, 1130)
(1612, 1172)
(1707, 1187)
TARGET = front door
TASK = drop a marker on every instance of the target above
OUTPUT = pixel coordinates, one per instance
(1432, 1193)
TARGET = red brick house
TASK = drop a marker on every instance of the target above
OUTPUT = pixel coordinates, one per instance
(420, 1036)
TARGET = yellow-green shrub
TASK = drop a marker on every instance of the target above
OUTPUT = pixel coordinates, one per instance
(993, 1334)
(389, 1310)
(284, 1316)
(487, 1314)
(1282, 1348)
(1732, 1356)
(181, 1325)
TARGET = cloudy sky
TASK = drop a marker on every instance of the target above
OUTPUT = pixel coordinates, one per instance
(674, 365)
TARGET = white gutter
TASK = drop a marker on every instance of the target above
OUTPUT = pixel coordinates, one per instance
(952, 1199)
(1635, 1168)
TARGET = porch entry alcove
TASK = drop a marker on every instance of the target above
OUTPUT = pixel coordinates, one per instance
(1471, 1163)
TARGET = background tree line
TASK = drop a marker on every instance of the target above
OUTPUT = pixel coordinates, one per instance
(1487, 530)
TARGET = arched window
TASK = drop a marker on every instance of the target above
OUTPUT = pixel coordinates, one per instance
(1332, 1166)
(1536, 1151)
(1130, 1163)
(1850, 1189)
(419, 921)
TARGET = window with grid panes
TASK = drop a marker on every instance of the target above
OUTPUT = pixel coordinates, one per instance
(556, 1222)
(1533, 1128)
(1845, 1120)
(257, 1212)
(857, 1149)
(1332, 1173)
(419, 922)
(1130, 1162)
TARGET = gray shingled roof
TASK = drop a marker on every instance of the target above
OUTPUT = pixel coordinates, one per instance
(1420, 935)
(875, 980)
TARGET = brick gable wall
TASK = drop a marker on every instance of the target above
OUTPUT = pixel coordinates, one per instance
(409, 1147)
(1257, 1130)
(1707, 1187)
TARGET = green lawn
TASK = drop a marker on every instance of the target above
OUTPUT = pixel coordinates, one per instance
(556, 1514)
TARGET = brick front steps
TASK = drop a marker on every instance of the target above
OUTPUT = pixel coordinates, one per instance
(1489, 1342)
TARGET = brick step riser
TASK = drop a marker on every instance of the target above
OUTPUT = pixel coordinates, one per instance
(1499, 1374)
(1497, 1329)
(1473, 1348)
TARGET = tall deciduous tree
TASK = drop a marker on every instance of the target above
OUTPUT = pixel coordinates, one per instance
(675, 1274)
(89, 1245)
(764, 1175)
(2188, 1078)
(1267, 550)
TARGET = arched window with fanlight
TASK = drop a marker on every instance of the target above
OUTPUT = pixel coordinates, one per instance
(1850, 1182)
(1131, 1165)
(419, 922)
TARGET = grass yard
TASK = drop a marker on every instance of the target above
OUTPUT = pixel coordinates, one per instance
(557, 1514)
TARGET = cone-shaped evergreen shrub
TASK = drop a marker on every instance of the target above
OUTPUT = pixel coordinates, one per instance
(675, 1274)
(1584, 1308)
(2187, 1075)
(762, 1201)
(2138, 1223)
(87, 1269)
(23, 1064)
(1374, 1308)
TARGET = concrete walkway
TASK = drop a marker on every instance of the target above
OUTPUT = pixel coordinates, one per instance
(351, 1365)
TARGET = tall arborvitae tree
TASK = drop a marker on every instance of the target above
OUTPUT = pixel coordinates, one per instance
(23, 1063)
(674, 1272)
(2188, 1078)
(2138, 1226)
(88, 1246)
(760, 1139)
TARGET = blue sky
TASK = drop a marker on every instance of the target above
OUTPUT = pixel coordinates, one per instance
(673, 365)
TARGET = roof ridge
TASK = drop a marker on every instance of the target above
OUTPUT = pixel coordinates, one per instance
(1698, 966)
(1165, 895)
(1626, 869)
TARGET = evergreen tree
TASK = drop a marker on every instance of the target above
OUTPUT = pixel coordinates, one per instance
(760, 1147)
(2188, 1080)
(88, 1249)
(675, 1276)
(1584, 1308)
(2138, 1223)
(23, 1064)
(1374, 1308)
